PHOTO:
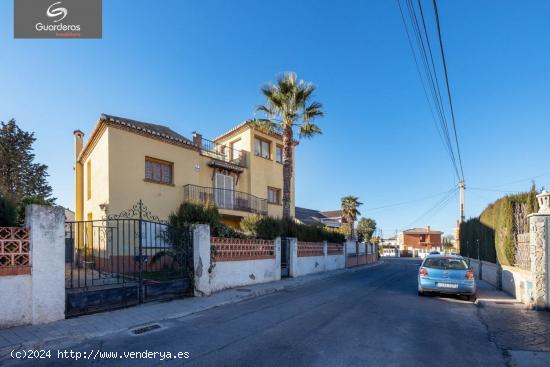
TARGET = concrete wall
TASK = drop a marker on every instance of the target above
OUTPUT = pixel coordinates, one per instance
(15, 297)
(39, 297)
(514, 281)
(303, 265)
(215, 276)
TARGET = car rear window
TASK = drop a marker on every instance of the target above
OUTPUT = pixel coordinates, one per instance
(445, 263)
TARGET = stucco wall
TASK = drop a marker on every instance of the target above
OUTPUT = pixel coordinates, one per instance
(99, 164)
(309, 265)
(334, 262)
(15, 300)
(230, 274)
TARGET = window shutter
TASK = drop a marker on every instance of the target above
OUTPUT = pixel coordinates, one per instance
(148, 170)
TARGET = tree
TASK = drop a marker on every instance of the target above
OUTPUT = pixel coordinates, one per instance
(350, 212)
(365, 229)
(288, 106)
(20, 176)
(8, 215)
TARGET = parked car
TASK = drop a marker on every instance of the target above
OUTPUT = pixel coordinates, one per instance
(449, 274)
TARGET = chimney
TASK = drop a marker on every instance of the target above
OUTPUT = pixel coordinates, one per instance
(78, 143)
(197, 139)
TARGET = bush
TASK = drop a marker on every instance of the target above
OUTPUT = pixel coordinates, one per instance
(191, 213)
(8, 214)
(269, 228)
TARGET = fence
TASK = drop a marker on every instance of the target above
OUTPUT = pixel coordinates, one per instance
(335, 249)
(14, 251)
(310, 249)
(234, 249)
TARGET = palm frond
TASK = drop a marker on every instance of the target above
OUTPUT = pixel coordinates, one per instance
(309, 130)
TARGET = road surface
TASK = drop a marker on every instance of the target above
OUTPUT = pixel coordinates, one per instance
(370, 317)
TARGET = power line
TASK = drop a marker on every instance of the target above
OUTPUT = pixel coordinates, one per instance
(438, 206)
(407, 202)
(447, 84)
(430, 80)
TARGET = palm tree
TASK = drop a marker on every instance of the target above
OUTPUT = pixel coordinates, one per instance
(287, 106)
(350, 211)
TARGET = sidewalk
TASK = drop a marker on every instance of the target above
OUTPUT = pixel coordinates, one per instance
(96, 325)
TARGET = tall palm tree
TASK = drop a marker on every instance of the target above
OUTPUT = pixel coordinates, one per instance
(288, 106)
(350, 211)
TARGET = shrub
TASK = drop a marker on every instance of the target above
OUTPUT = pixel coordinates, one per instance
(495, 230)
(191, 213)
(8, 214)
(269, 228)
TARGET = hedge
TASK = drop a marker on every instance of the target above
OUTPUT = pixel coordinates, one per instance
(269, 228)
(497, 227)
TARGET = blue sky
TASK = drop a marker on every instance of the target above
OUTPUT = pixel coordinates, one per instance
(198, 65)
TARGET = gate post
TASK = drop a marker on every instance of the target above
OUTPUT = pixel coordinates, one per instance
(539, 242)
(47, 234)
(293, 257)
(277, 248)
(201, 259)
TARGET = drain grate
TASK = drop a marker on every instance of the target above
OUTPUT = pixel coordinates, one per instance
(244, 290)
(145, 329)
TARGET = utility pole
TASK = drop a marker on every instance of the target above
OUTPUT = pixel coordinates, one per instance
(462, 187)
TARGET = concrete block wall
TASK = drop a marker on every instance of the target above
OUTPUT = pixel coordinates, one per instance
(38, 297)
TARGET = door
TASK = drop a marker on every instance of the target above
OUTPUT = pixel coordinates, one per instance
(285, 257)
(224, 194)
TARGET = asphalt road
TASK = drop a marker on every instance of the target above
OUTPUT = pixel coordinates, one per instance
(371, 317)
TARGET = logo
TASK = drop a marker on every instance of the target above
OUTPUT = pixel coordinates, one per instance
(50, 18)
(52, 13)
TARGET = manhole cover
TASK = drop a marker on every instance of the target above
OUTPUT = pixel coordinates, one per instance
(145, 329)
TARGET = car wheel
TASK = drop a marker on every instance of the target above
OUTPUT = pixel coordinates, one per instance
(472, 298)
(421, 294)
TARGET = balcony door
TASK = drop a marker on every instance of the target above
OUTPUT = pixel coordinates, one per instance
(224, 191)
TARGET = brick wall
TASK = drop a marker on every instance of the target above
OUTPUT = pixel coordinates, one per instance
(14, 251)
(310, 249)
(236, 249)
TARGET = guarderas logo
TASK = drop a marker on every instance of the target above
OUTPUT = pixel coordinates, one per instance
(52, 13)
(59, 13)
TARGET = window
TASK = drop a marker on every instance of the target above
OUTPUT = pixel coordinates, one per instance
(236, 148)
(273, 195)
(279, 153)
(158, 171)
(262, 148)
(89, 179)
(445, 263)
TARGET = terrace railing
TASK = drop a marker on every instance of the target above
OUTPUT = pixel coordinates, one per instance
(225, 199)
(223, 152)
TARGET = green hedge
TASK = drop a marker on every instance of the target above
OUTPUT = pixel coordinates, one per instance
(269, 228)
(496, 228)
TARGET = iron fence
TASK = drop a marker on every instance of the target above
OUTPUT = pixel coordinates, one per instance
(223, 152)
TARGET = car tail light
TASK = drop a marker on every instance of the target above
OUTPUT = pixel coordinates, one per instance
(423, 272)
(469, 275)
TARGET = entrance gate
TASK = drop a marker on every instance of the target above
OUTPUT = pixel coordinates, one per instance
(124, 260)
(285, 257)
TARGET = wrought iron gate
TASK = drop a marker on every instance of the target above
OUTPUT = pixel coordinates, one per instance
(285, 257)
(124, 260)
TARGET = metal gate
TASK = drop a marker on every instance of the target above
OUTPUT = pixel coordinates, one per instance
(124, 260)
(285, 257)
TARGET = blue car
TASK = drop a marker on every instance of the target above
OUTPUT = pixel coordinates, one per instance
(449, 274)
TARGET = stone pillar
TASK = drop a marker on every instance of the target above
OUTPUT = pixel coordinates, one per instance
(47, 232)
(325, 255)
(201, 259)
(539, 224)
(293, 263)
(277, 247)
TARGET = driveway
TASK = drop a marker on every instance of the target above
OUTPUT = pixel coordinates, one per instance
(369, 317)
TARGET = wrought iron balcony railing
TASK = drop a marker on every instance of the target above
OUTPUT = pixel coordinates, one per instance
(225, 199)
(222, 152)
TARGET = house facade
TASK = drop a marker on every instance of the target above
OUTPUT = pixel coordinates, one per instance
(419, 241)
(125, 161)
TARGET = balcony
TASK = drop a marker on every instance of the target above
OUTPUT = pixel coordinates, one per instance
(220, 152)
(225, 199)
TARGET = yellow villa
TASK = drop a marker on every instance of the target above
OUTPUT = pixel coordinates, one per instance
(125, 161)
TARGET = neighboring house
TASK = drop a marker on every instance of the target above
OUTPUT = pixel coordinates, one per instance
(389, 247)
(419, 241)
(69, 215)
(125, 161)
(331, 218)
